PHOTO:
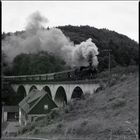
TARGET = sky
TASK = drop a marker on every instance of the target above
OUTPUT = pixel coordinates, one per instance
(119, 16)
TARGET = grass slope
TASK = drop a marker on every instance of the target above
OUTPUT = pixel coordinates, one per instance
(109, 114)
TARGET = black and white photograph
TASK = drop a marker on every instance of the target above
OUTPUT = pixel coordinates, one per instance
(69, 70)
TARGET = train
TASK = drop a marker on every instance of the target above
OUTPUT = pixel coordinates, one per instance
(80, 73)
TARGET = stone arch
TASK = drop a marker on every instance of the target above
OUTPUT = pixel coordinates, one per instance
(21, 93)
(47, 89)
(60, 97)
(32, 87)
(77, 93)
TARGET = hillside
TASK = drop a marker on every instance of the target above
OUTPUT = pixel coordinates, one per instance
(111, 113)
(124, 51)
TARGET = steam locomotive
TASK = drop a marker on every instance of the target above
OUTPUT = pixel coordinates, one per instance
(80, 73)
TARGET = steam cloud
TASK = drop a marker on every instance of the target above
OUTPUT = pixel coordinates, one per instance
(83, 51)
(36, 39)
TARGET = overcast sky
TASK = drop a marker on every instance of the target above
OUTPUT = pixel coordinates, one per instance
(119, 16)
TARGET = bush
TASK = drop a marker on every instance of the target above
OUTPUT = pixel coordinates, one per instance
(55, 113)
(84, 123)
(67, 109)
(132, 69)
(118, 102)
(100, 88)
(123, 77)
(39, 118)
(59, 125)
(112, 82)
(87, 95)
(36, 131)
(27, 128)
(22, 130)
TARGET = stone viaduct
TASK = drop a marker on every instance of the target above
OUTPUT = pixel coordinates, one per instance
(61, 92)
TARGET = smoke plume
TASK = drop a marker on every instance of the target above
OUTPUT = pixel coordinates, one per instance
(36, 39)
(35, 22)
(85, 52)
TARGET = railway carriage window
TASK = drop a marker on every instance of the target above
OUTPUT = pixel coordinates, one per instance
(39, 77)
(24, 78)
(30, 78)
(43, 77)
(36, 78)
(51, 77)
